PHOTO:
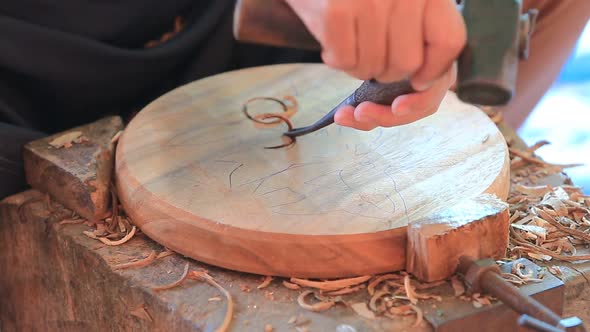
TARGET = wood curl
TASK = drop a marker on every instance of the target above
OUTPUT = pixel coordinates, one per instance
(279, 117)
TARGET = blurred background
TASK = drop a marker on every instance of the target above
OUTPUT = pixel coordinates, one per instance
(563, 116)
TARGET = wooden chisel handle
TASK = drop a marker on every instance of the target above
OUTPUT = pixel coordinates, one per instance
(373, 91)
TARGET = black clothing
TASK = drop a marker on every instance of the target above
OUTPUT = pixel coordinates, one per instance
(65, 63)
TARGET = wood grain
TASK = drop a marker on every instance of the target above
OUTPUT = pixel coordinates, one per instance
(477, 227)
(193, 174)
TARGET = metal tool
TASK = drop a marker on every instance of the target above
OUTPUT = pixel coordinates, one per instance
(484, 276)
(497, 37)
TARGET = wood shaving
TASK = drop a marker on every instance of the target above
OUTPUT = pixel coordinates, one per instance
(413, 296)
(512, 278)
(402, 310)
(121, 241)
(526, 247)
(175, 283)
(410, 293)
(165, 253)
(291, 285)
(536, 146)
(378, 280)
(122, 227)
(517, 269)
(539, 257)
(537, 231)
(203, 276)
(396, 284)
(71, 222)
(421, 286)
(419, 315)
(258, 118)
(282, 117)
(68, 139)
(362, 310)
(555, 270)
(178, 26)
(331, 285)
(533, 190)
(116, 137)
(267, 280)
(376, 304)
(343, 291)
(140, 263)
(214, 299)
(290, 140)
(538, 161)
(571, 231)
(316, 307)
(90, 235)
(141, 313)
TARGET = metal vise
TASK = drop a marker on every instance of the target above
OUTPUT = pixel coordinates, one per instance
(498, 37)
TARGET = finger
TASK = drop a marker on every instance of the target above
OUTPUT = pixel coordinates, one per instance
(346, 118)
(445, 36)
(371, 36)
(379, 115)
(416, 106)
(404, 40)
(338, 36)
(405, 109)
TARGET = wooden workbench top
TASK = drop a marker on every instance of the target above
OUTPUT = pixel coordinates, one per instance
(54, 277)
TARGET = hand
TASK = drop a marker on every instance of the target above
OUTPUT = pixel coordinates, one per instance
(404, 109)
(388, 40)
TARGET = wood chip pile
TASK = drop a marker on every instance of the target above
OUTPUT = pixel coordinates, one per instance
(547, 223)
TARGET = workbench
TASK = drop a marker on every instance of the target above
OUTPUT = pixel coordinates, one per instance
(56, 278)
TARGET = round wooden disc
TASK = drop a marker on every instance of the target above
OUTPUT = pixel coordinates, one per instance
(193, 173)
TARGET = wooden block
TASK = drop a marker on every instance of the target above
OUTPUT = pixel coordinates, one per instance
(75, 166)
(477, 227)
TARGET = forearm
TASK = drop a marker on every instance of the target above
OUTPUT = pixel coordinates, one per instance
(558, 28)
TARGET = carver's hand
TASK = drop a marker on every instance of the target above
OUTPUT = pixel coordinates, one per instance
(388, 40)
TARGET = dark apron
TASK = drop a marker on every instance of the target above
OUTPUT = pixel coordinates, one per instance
(65, 63)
